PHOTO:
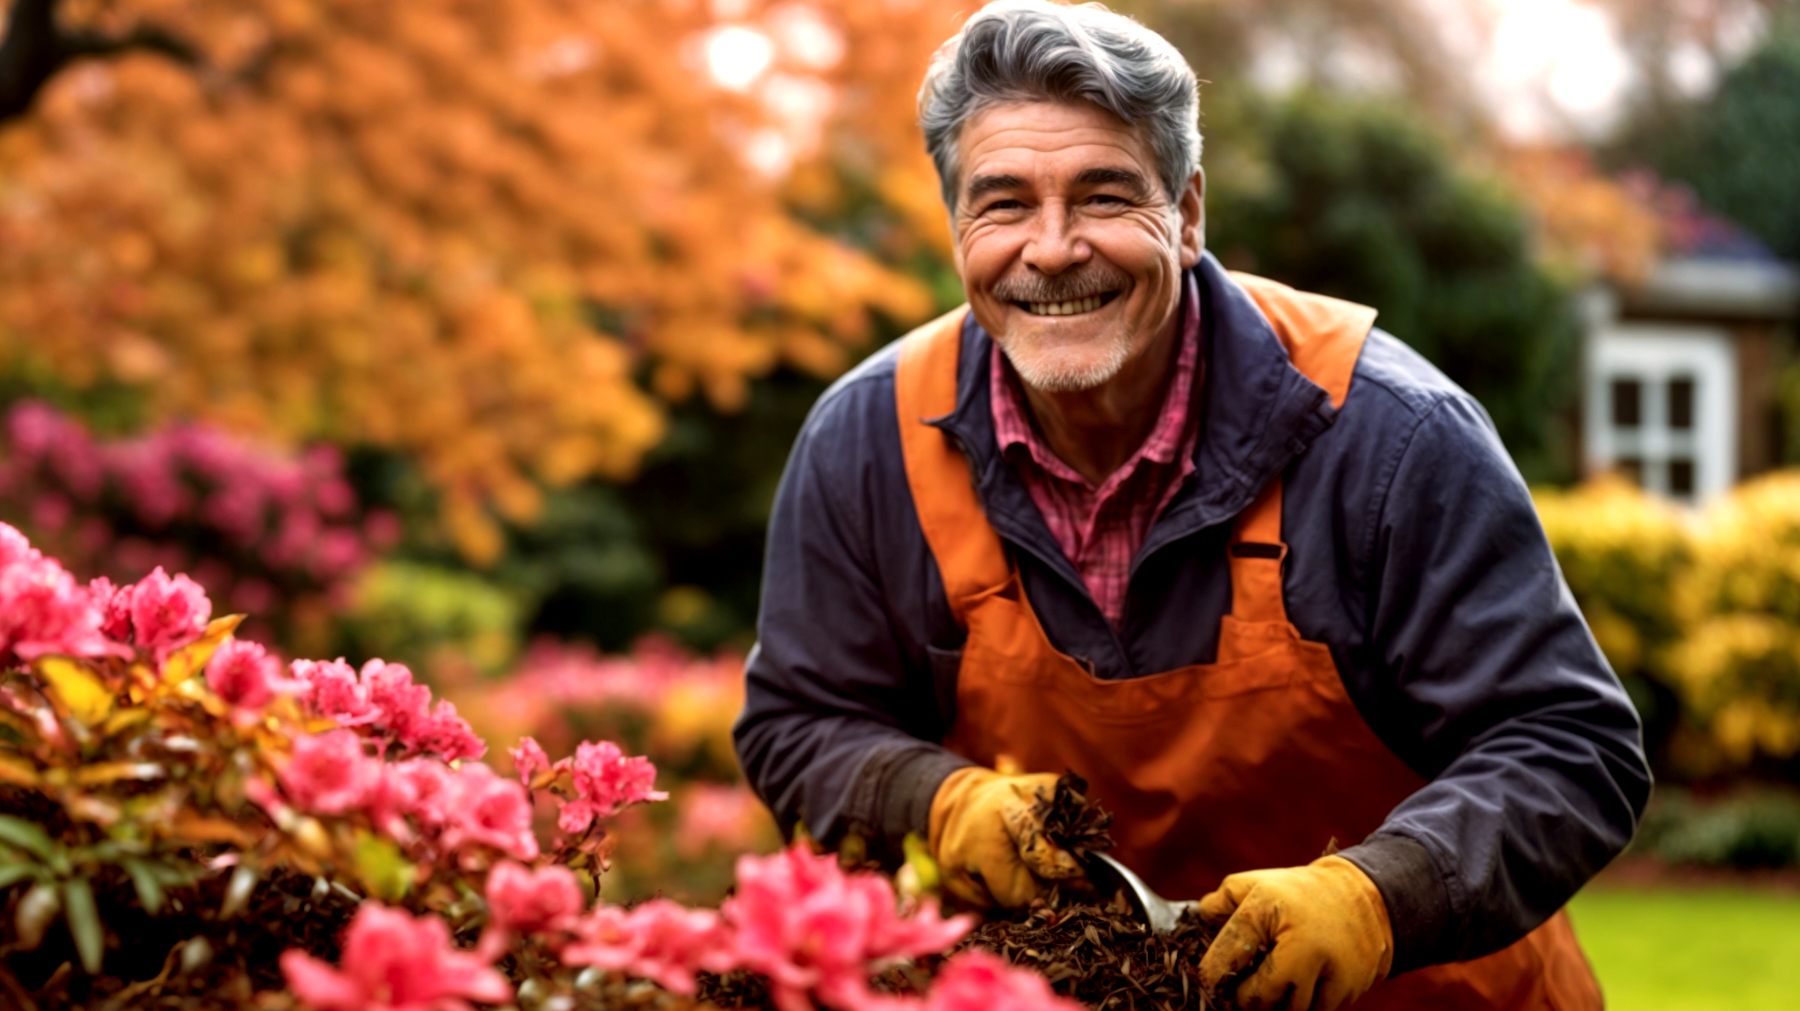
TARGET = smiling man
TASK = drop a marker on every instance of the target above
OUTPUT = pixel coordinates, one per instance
(1250, 566)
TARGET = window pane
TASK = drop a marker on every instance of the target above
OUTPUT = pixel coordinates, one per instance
(1681, 402)
(1681, 478)
(1627, 403)
(1631, 468)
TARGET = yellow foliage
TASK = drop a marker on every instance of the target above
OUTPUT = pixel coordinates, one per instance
(1707, 603)
(1622, 553)
(459, 228)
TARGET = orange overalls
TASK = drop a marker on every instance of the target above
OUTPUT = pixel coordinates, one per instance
(1259, 759)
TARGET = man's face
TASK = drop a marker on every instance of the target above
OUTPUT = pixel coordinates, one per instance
(1070, 250)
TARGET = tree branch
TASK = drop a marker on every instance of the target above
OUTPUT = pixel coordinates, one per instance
(36, 47)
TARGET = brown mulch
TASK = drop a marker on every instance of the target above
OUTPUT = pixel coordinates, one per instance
(187, 959)
(1094, 949)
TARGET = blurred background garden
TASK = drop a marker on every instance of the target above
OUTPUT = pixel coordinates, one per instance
(472, 334)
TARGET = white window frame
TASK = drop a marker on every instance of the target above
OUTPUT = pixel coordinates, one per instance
(1653, 354)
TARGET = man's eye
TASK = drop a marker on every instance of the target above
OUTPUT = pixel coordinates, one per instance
(1108, 200)
(1004, 205)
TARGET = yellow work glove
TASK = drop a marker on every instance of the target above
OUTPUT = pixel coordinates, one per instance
(1326, 928)
(989, 847)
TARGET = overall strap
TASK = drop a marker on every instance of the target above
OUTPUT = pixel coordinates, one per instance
(969, 555)
(1323, 337)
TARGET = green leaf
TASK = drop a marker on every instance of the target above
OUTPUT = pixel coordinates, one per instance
(144, 877)
(381, 868)
(84, 923)
(26, 836)
(12, 874)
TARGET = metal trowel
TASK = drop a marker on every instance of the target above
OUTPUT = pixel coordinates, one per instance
(1161, 914)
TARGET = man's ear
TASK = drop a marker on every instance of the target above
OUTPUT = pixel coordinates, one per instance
(1192, 204)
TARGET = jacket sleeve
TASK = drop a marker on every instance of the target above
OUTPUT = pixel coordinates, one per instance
(1533, 751)
(841, 718)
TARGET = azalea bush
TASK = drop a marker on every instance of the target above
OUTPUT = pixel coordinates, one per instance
(190, 823)
(661, 701)
(273, 534)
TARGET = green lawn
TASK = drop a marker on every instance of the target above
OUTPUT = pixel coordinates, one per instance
(1728, 950)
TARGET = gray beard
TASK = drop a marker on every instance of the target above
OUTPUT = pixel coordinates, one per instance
(1047, 374)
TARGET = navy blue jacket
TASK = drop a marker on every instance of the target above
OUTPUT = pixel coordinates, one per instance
(1418, 559)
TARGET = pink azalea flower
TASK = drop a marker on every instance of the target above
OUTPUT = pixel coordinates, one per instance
(394, 962)
(605, 782)
(333, 690)
(527, 901)
(815, 931)
(485, 810)
(115, 608)
(658, 940)
(245, 675)
(43, 610)
(713, 814)
(330, 773)
(422, 788)
(403, 705)
(15, 548)
(167, 612)
(445, 733)
(528, 759)
(980, 981)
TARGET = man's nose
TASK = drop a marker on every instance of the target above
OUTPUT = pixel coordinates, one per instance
(1055, 245)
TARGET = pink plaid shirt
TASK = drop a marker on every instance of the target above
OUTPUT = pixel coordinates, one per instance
(1101, 528)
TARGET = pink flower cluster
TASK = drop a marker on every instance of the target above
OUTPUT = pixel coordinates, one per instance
(42, 609)
(420, 802)
(246, 676)
(383, 701)
(395, 962)
(158, 614)
(533, 901)
(715, 815)
(658, 940)
(605, 779)
(815, 931)
(564, 675)
(287, 524)
(979, 981)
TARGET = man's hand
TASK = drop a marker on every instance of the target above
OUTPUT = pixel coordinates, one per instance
(990, 848)
(1325, 926)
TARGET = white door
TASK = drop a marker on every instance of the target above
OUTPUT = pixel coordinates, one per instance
(1661, 407)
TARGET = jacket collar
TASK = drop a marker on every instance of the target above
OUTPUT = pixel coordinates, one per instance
(1258, 413)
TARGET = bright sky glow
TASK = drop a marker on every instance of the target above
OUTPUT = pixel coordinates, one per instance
(736, 56)
(1560, 50)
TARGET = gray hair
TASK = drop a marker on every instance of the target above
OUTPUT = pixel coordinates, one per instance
(1034, 51)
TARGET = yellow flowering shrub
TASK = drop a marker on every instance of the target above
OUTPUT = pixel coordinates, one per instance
(1738, 664)
(1705, 604)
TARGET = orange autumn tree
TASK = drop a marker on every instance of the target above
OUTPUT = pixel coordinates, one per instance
(461, 229)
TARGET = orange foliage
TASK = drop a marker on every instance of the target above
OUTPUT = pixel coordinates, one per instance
(459, 228)
(1586, 221)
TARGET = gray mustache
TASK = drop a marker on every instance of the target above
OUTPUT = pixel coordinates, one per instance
(1061, 288)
